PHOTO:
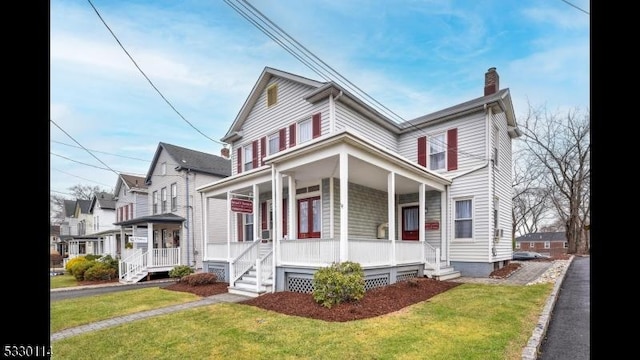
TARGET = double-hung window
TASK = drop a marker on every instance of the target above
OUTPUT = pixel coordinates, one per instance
(306, 130)
(464, 219)
(163, 204)
(248, 157)
(155, 202)
(437, 152)
(174, 197)
(274, 143)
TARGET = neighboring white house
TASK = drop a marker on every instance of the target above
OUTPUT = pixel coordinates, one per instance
(95, 227)
(318, 176)
(171, 228)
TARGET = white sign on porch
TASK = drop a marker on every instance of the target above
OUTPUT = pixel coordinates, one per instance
(138, 239)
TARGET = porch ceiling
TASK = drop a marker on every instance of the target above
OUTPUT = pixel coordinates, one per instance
(360, 172)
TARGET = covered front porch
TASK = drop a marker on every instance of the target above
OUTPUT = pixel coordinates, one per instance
(151, 245)
(336, 199)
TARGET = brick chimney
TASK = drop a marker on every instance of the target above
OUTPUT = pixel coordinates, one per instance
(224, 152)
(491, 82)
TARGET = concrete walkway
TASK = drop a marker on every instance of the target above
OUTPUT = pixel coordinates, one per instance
(145, 314)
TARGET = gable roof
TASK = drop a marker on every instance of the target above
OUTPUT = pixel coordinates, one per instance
(499, 102)
(131, 182)
(191, 160)
(104, 199)
(543, 236)
(256, 91)
(84, 205)
(69, 208)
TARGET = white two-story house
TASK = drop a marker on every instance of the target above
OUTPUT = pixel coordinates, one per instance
(318, 176)
(168, 233)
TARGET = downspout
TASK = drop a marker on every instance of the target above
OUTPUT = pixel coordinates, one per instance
(187, 222)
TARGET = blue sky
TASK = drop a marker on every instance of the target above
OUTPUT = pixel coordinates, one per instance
(414, 57)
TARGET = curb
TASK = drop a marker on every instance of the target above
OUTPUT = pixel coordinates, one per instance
(530, 352)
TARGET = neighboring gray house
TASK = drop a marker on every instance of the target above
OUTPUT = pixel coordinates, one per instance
(318, 176)
(173, 226)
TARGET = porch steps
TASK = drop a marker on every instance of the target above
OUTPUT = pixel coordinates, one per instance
(446, 273)
(247, 284)
(135, 277)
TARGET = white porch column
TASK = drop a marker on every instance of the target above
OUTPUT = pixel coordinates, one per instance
(230, 216)
(344, 206)
(444, 225)
(292, 214)
(391, 205)
(421, 217)
(276, 203)
(257, 214)
(204, 200)
(149, 244)
(332, 194)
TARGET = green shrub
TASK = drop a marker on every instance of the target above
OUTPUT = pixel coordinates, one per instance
(202, 278)
(92, 257)
(100, 271)
(109, 261)
(179, 271)
(337, 283)
(71, 263)
(79, 268)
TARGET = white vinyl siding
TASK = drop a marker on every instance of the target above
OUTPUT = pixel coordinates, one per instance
(346, 118)
(291, 108)
(471, 142)
(502, 186)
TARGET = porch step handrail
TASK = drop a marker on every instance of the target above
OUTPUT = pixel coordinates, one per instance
(264, 269)
(432, 256)
(132, 265)
(243, 262)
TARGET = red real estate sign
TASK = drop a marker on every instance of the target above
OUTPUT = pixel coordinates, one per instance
(242, 206)
(432, 225)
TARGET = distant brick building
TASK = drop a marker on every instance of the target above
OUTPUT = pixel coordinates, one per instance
(548, 243)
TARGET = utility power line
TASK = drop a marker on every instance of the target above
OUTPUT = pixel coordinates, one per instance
(148, 79)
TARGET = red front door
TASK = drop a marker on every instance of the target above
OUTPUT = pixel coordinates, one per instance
(309, 218)
(410, 220)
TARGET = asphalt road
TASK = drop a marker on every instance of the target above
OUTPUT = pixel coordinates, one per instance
(568, 335)
(62, 294)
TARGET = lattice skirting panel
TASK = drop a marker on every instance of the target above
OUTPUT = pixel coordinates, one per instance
(406, 275)
(220, 273)
(303, 283)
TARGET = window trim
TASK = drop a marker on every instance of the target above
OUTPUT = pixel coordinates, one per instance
(431, 141)
(455, 201)
(174, 197)
(272, 95)
(305, 121)
(155, 202)
(247, 161)
(163, 200)
(547, 245)
(270, 137)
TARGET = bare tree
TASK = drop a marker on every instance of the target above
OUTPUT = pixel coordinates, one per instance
(56, 202)
(530, 197)
(560, 145)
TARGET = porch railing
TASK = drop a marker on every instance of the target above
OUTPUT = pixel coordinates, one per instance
(432, 256)
(133, 264)
(163, 257)
(309, 252)
(218, 250)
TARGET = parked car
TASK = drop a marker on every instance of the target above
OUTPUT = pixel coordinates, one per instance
(529, 255)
